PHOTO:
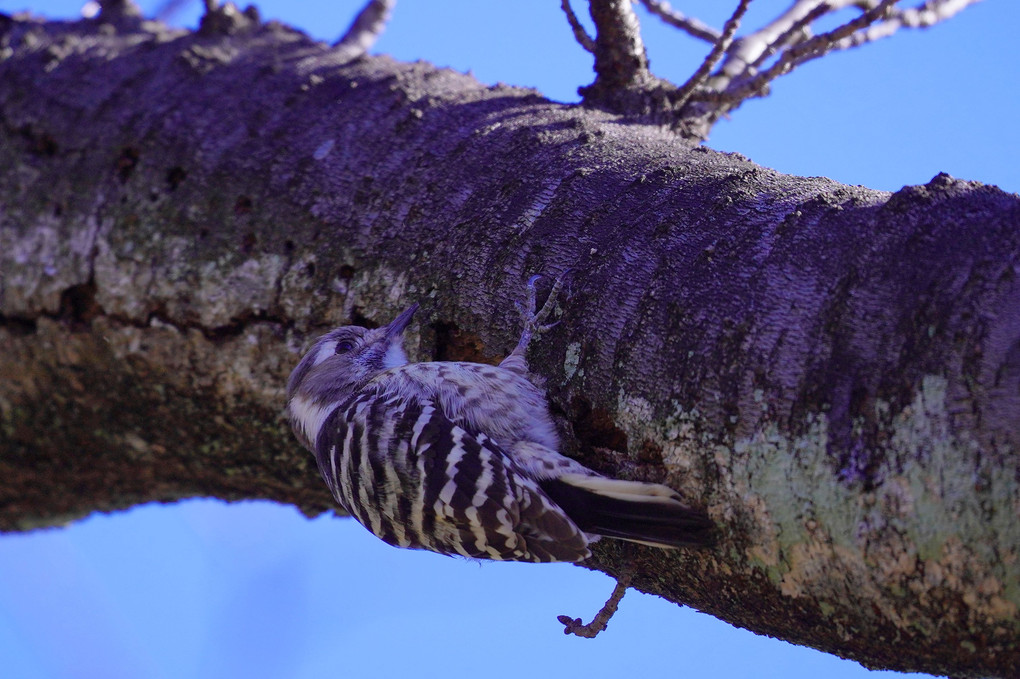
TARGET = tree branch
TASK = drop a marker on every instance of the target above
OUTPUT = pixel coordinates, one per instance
(580, 35)
(365, 29)
(830, 370)
(811, 48)
(755, 47)
(689, 25)
(923, 16)
(720, 47)
(789, 38)
(623, 84)
(620, 60)
(796, 33)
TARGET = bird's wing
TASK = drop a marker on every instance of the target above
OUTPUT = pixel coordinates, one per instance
(416, 479)
(483, 399)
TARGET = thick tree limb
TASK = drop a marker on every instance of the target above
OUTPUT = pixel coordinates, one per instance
(833, 372)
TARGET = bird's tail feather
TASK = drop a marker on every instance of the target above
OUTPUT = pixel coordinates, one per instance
(647, 513)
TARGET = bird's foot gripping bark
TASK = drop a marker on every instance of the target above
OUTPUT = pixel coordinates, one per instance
(534, 320)
(534, 324)
(601, 621)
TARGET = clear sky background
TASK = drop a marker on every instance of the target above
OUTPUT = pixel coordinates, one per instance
(204, 589)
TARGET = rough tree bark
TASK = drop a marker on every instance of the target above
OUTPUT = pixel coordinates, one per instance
(832, 371)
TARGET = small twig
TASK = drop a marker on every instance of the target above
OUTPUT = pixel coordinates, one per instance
(805, 51)
(601, 621)
(581, 35)
(733, 84)
(365, 29)
(798, 32)
(931, 12)
(752, 49)
(721, 45)
(826, 42)
(923, 16)
(689, 25)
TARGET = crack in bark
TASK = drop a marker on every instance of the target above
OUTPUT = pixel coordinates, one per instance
(79, 309)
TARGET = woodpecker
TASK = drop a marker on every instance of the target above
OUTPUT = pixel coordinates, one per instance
(462, 458)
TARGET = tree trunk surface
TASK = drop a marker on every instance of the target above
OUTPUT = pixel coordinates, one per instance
(832, 371)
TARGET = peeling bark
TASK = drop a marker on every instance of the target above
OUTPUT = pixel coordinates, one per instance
(834, 372)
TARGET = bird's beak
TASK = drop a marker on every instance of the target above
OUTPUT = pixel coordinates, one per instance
(396, 328)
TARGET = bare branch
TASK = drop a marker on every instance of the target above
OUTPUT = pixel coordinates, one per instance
(799, 32)
(793, 57)
(581, 35)
(922, 16)
(690, 25)
(790, 35)
(930, 13)
(721, 45)
(623, 83)
(620, 58)
(791, 27)
(790, 39)
(365, 29)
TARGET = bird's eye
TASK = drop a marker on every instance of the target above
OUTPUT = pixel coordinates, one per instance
(343, 346)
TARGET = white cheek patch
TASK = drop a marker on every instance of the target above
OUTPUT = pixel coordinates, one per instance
(394, 356)
(310, 416)
(325, 351)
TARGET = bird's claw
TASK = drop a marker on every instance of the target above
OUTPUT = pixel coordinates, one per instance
(534, 319)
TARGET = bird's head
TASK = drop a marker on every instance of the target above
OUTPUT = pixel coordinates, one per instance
(338, 365)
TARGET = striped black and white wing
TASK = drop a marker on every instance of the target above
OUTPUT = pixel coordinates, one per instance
(415, 479)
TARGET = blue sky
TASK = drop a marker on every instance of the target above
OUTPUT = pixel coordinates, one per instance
(203, 589)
